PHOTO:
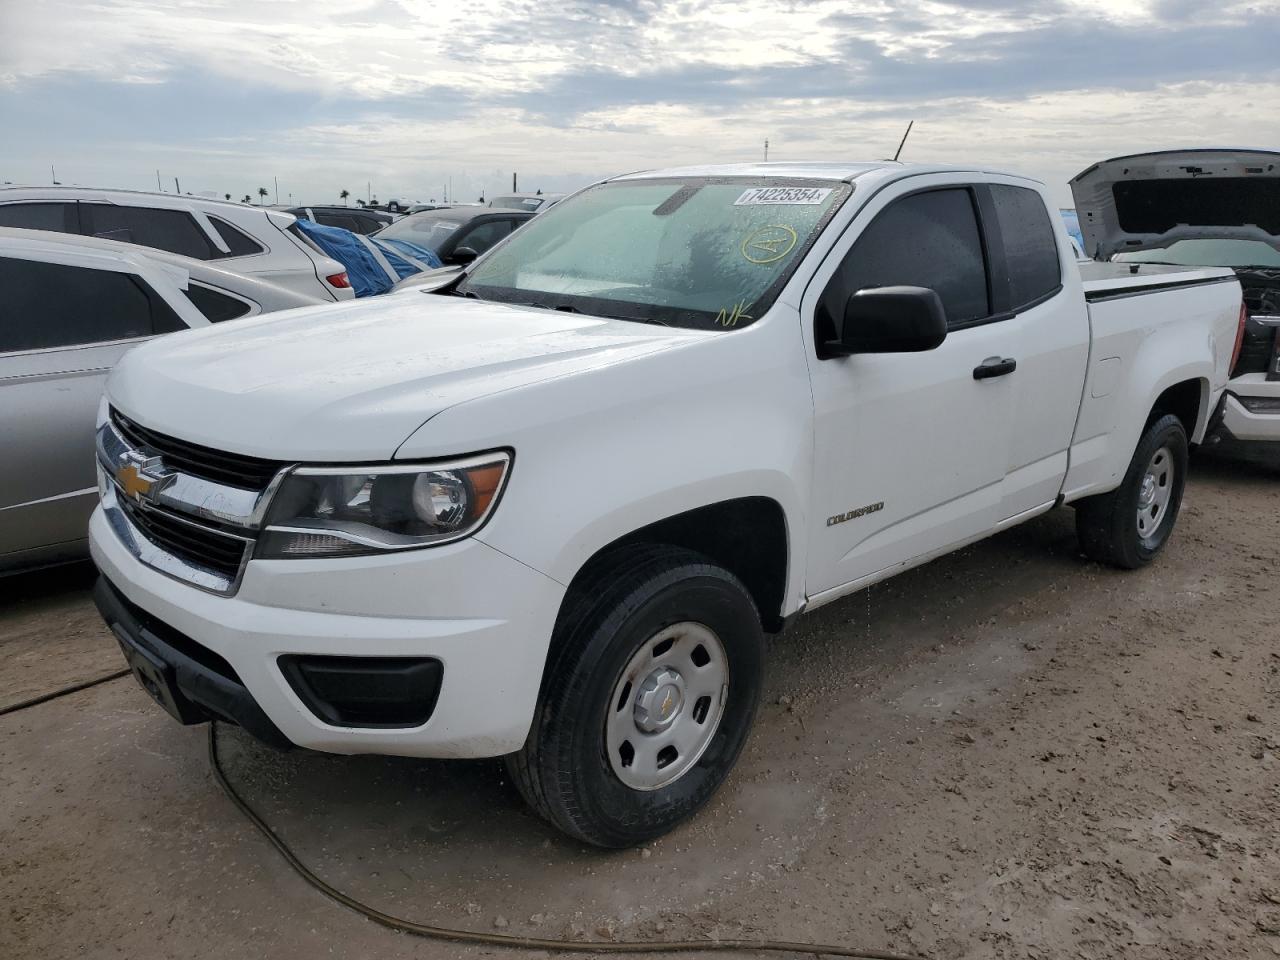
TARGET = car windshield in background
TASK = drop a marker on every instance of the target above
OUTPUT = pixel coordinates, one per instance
(691, 252)
(1208, 253)
(424, 229)
(518, 203)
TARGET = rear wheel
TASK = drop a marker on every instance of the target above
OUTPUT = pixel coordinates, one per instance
(1127, 527)
(649, 695)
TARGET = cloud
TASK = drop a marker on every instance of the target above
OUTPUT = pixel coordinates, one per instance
(410, 93)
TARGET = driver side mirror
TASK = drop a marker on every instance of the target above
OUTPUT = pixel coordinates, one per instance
(462, 256)
(891, 320)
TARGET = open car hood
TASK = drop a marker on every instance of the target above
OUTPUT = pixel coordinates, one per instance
(1149, 200)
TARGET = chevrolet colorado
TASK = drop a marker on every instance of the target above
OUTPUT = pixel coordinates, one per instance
(547, 505)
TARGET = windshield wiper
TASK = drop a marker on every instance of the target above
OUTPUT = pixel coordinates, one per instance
(570, 308)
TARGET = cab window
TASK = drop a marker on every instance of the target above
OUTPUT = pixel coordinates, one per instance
(929, 239)
(1030, 245)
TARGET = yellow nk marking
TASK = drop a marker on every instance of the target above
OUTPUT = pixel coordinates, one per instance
(730, 317)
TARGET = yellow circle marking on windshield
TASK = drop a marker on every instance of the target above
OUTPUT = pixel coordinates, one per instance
(769, 244)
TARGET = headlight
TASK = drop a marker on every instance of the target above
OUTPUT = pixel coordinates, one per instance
(345, 511)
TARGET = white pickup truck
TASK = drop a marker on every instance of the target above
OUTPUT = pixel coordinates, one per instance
(548, 508)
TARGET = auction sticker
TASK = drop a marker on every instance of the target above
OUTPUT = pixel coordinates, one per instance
(767, 196)
(769, 244)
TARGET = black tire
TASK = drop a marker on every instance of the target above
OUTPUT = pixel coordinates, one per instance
(563, 771)
(1107, 525)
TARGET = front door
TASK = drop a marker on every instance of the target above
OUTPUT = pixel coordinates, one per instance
(910, 449)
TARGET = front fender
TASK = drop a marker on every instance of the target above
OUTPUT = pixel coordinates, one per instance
(605, 452)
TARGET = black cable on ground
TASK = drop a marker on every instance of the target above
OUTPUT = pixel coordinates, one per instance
(74, 688)
(508, 940)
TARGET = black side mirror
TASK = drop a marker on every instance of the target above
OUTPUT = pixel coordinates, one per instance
(462, 256)
(891, 320)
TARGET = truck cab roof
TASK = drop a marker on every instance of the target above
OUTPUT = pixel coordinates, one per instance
(811, 170)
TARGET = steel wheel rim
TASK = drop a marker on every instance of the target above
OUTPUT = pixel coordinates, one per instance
(1155, 493)
(666, 706)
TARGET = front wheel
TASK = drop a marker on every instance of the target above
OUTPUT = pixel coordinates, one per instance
(1127, 527)
(650, 691)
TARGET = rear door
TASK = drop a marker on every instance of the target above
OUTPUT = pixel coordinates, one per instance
(62, 328)
(1037, 289)
(910, 449)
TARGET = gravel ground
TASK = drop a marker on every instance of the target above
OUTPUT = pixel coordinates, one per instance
(1010, 752)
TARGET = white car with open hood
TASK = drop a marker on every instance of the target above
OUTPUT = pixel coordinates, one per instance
(1211, 208)
(548, 507)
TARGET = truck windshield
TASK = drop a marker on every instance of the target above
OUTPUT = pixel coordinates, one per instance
(689, 252)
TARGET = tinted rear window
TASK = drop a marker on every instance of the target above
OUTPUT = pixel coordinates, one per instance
(240, 243)
(1030, 244)
(58, 217)
(216, 306)
(173, 230)
(53, 305)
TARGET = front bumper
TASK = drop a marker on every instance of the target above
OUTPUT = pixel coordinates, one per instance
(486, 617)
(1250, 410)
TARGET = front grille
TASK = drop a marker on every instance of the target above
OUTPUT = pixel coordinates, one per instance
(237, 470)
(196, 545)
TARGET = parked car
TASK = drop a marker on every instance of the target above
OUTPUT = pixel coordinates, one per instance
(456, 235)
(532, 202)
(256, 241)
(1213, 208)
(355, 219)
(72, 306)
(549, 510)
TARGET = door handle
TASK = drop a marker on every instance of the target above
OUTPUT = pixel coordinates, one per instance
(994, 367)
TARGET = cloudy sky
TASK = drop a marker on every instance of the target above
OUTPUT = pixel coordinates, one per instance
(414, 94)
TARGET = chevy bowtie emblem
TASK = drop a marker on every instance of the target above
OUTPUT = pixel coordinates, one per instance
(141, 477)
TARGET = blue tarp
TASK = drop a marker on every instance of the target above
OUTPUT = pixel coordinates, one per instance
(364, 257)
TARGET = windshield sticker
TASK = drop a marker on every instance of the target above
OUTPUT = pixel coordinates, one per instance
(769, 244)
(765, 196)
(732, 316)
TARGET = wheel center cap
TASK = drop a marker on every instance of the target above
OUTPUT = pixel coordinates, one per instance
(1148, 494)
(659, 700)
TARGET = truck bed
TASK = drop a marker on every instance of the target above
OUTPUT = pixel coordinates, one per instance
(1104, 280)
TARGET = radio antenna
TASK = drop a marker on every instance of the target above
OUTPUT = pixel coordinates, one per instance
(898, 152)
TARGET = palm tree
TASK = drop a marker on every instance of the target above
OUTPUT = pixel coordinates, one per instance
(247, 199)
(262, 193)
(343, 196)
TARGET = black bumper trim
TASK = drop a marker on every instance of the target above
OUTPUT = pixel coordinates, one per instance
(206, 686)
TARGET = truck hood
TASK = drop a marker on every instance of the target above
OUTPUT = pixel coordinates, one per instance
(1151, 199)
(350, 382)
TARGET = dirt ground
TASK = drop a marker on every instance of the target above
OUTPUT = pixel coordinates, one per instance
(1010, 752)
